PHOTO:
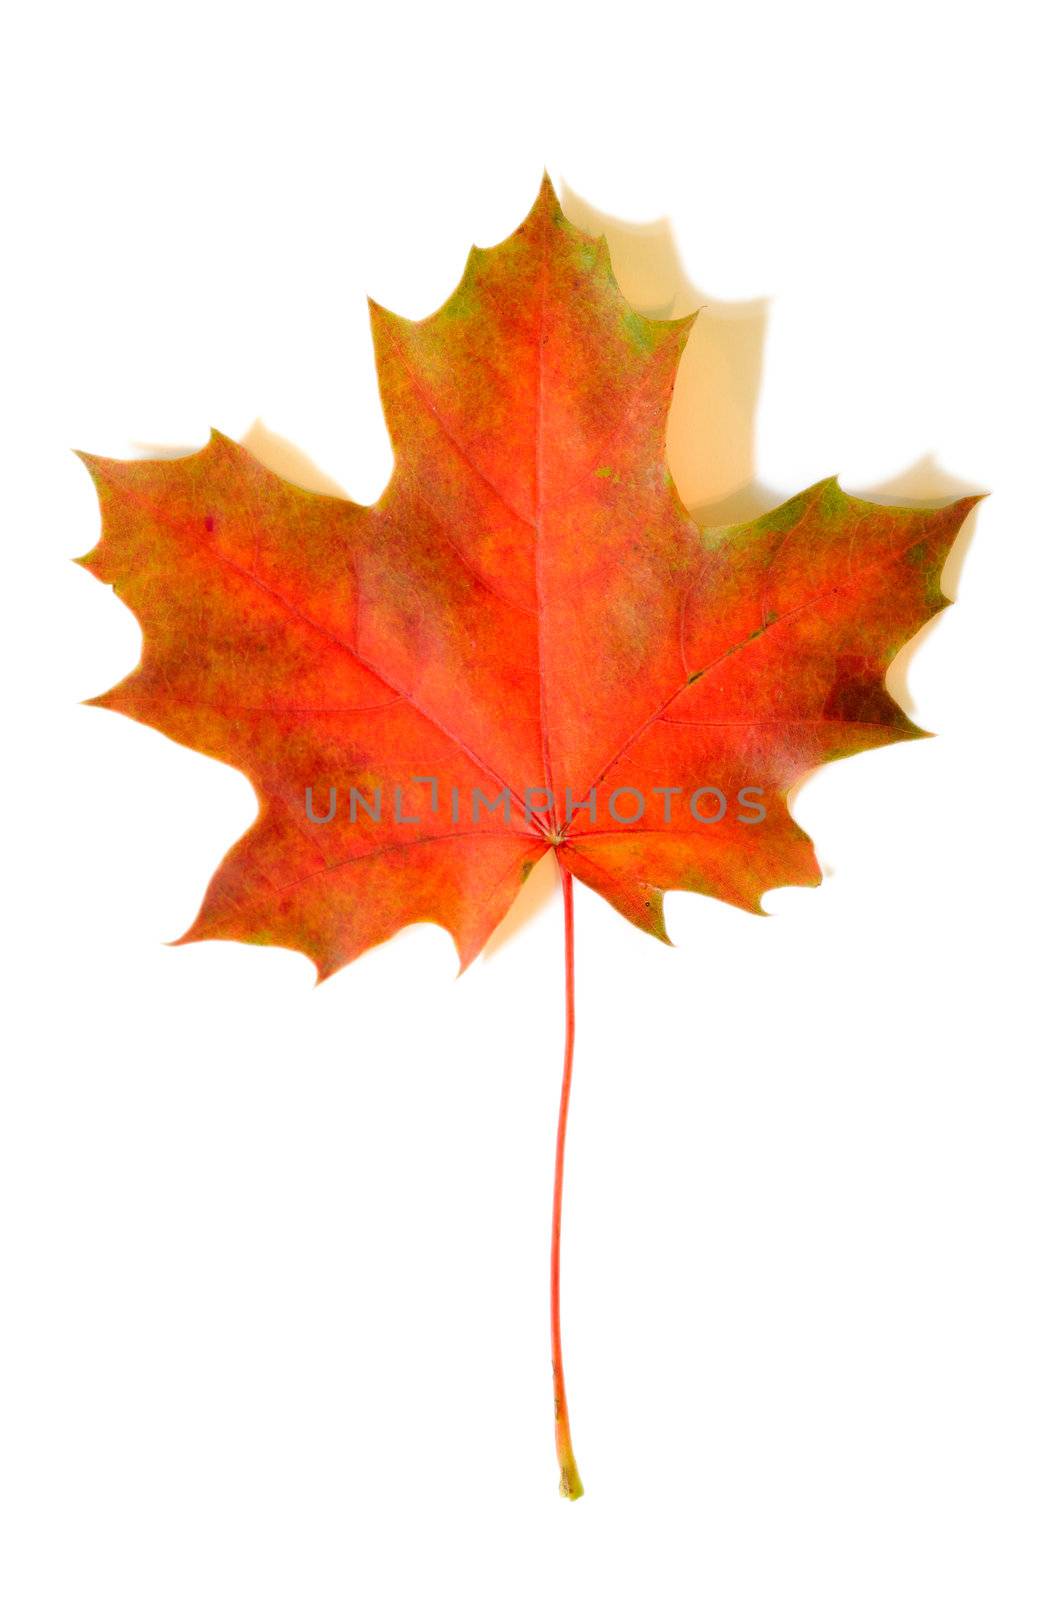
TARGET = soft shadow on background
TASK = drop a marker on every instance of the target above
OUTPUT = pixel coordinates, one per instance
(711, 437)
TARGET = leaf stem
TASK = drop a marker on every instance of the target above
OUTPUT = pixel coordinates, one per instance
(571, 1486)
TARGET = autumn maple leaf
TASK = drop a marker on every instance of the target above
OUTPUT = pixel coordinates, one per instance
(527, 644)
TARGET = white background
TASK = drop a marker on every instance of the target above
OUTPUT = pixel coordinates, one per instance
(274, 1260)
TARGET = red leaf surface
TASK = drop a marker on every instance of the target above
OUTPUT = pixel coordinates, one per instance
(528, 605)
(528, 608)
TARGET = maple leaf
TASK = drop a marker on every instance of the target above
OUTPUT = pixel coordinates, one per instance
(527, 644)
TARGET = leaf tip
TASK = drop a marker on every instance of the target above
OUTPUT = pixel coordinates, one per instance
(547, 192)
(547, 207)
(93, 464)
(382, 320)
(656, 923)
(967, 503)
